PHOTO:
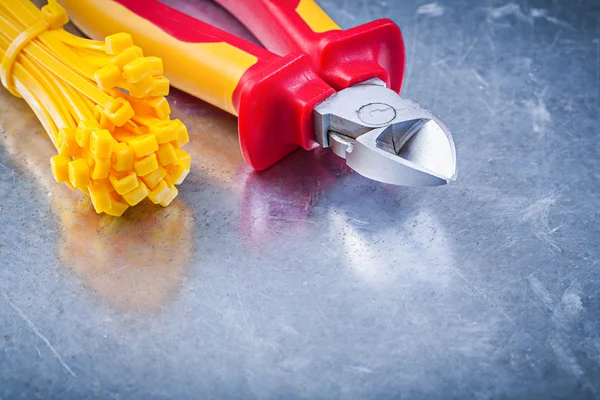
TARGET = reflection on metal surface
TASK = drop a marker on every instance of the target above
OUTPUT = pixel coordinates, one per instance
(214, 144)
(282, 198)
(136, 262)
(422, 250)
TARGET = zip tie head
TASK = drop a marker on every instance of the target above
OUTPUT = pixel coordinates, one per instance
(144, 145)
(136, 195)
(101, 144)
(79, 174)
(136, 70)
(84, 132)
(54, 15)
(161, 86)
(170, 196)
(177, 171)
(182, 134)
(123, 182)
(126, 56)
(166, 154)
(159, 193)
(118, 111)
(117, 43)
(60, 168)
(117, 205)
(184, 157)
(160, 107)
(100, 198)
(154, 177)
(165, 131)
(106, 201)
(142, 88)
(122, 158)
(156, 64)
(101, 169)
(66, 143)
(108, 77)
(146, 165)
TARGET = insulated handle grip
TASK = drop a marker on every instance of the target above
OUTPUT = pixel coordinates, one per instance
(341, 57)
(198, 58)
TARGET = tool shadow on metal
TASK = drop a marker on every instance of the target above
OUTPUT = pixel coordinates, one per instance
(134, 263)
(283, 196)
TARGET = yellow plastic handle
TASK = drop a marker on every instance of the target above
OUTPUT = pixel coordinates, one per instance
(204, 65)
(315, 17)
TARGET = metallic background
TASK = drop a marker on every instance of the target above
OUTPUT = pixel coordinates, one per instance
(309, 281)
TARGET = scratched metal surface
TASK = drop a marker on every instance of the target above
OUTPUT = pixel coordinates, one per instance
(309, 281)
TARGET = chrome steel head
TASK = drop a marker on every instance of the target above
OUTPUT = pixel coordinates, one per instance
(385, 137)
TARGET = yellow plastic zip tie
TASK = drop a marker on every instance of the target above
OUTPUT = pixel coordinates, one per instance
(101, 103)
(37, 90)
(79, 43)
(10, 55)
(55, 15)
(49, 86)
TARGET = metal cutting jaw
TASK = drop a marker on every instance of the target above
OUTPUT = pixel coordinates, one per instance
(385, 137)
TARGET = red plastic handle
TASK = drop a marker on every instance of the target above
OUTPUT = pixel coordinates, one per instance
(342, 58)
(275, 97)
(276, 104)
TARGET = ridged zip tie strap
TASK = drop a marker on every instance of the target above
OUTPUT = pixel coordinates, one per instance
(21, 41)
(101, 103)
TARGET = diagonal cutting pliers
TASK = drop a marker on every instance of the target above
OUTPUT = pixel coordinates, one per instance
(316, 85)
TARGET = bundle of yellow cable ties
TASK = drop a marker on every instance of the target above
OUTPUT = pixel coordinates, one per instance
(101, 103)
